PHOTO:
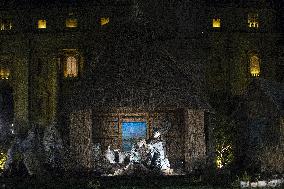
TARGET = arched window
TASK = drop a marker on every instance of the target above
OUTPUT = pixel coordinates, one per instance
(71, 63)
(254, 65)
(4, 73)
(5, 24)
(71, 67)
(253, 20)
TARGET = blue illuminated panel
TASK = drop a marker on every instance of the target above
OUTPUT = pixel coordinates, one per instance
(131, 133)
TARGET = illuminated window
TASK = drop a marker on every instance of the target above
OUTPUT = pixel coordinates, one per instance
(104, 21)
(71, 67)
(5, 24)
(4, 73)
(71, 23)
(254, 65)
(127, 130)
(216, 23)
(41, 24)
(70, 63)
(132, 132)
(253, 20)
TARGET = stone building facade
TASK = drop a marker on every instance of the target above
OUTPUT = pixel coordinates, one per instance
(91, 65)
(260, 117)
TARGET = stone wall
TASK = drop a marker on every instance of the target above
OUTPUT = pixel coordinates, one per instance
(14, 54)
(81, 138)
(20, 88)
(259, 129)
(103, 131)
(195, 144)
(282, 132)
(209, 126)
(43, 84)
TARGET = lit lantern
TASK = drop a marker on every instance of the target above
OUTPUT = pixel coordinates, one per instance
(41, 24)
(216, 23)
(4, 73)
(71, 23)
(104, 21)
(254, 66)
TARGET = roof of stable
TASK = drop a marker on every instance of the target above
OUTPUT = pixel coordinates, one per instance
(135, 72)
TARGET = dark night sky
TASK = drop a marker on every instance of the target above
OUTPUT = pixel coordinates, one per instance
(277, 3)
(11, 4)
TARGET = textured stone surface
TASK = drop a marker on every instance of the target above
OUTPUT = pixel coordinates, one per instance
(81, 138)
(282, 131)
(195, 145)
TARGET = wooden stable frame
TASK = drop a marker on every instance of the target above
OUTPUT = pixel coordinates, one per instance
(116, 124)
(132, 119)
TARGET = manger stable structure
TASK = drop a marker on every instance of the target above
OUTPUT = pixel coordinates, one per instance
(96, 67)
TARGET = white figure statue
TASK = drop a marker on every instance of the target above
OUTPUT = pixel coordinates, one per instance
(159, 148)
(121, 157)
(110, 155)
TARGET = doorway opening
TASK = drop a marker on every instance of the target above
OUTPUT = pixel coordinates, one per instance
(132, 132)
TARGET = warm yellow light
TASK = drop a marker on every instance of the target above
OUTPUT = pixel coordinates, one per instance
(254, 73)
(254, 66)
(253, 21)
(41, 24)
(3, 159)
(104, 21)
(5, 25)
(71, 67)
(4, 73)
(71, 23)
(219, 163)
(216, 23)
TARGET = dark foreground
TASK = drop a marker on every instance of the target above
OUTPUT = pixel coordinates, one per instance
(122, 182)
(118, 182)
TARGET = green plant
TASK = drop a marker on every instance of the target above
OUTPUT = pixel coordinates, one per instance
(224, 137)
(94, 184)
(272, 159)
(3, 159)
(236, 182)
(246, 177)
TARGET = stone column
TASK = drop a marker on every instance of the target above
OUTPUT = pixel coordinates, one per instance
(194, 136)
(20, 94)
(282, 132)
(52, 88)
(81, 138)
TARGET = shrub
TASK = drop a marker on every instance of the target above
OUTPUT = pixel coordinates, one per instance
(3, 159)
(272, 159)
(224, 140)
